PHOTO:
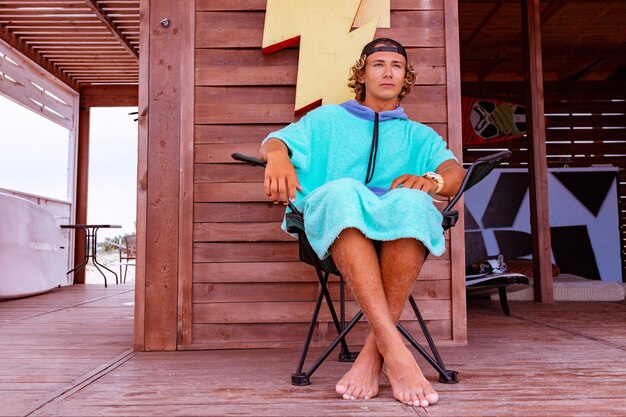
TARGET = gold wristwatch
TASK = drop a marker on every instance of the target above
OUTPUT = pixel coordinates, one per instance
(435, 177)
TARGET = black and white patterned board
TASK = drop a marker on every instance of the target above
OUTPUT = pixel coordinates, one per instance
(584, 220)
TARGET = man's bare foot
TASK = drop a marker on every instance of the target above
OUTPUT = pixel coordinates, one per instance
(407, 380)
(361, 382)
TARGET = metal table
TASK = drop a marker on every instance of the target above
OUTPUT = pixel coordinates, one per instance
(91, 244)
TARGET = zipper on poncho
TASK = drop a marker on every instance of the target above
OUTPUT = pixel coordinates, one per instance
(371, 165)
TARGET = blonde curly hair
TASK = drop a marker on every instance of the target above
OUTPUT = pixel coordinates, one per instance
(358, 70)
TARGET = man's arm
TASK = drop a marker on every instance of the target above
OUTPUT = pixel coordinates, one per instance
(451, 171)
(281, 181)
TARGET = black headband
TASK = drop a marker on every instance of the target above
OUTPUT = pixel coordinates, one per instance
(396, 47)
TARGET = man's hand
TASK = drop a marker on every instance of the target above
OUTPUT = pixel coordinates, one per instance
(415, 182)
(451, 171)
(281, 181)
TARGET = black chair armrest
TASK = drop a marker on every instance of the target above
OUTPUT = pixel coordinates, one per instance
(295, 223)
(477, 171)
(247, 159)
(450, 218)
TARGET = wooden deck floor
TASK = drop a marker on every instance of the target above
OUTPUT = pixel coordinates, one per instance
(67, 354)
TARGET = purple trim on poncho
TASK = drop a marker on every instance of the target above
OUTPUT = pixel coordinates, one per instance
(363, 112)
(379, 191)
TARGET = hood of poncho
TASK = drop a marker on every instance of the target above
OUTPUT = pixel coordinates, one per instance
(363, 112)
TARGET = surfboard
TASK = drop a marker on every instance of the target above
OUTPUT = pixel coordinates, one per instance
(490, 120)
(32, 251)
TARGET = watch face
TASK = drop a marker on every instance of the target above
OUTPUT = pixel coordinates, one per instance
(434, 176)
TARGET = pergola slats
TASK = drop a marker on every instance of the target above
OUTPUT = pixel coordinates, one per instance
(81, 42)
(25, 83)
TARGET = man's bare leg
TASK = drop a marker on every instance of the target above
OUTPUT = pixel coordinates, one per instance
(362, 381)
(400, 263)
(356, 258)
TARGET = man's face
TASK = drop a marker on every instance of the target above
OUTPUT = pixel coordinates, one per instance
(384, 76)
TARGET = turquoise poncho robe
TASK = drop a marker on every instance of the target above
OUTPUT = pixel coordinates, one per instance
(330, 148)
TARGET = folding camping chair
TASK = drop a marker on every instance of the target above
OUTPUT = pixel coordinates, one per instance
(295, 224)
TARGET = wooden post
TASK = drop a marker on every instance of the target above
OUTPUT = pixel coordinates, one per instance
(158, 193)
(185, 245)
(457, 239)
(82, 188)
(538, 166)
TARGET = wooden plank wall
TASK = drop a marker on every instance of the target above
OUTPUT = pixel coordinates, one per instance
(585, 125)
(249, 288)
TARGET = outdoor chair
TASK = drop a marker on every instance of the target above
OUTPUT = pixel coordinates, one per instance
(295, 224)
(128, 253)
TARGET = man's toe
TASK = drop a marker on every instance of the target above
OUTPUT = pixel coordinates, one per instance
(357, 394)
(348, 394)
(432, 397)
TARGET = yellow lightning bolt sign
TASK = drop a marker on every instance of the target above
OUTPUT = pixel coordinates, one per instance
(327, 47)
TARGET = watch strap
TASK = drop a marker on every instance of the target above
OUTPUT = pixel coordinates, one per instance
(437, 178)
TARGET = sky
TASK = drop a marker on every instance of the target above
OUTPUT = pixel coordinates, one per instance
(34, 159)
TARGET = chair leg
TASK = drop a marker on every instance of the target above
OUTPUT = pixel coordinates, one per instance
(304, 378)
(344, 355)
(323, 280)
(339, 325)
(300, 378)
(504, 301)
(445, 375)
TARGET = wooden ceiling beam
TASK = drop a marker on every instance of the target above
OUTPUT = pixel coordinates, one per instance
(551, 11)
(84, 42)
(104, 18)
(507, 51)
(88, 55)
(592, 20)
(554, 90)
(62, 19)
(583, 72)
(36, 57)
(489, 68)
(92, 62)
(482, 24)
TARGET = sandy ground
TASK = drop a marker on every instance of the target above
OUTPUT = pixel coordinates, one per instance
(110, 260)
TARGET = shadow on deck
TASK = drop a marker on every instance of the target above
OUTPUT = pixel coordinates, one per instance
(68, 353)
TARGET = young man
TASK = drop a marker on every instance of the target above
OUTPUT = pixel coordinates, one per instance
(362, 172)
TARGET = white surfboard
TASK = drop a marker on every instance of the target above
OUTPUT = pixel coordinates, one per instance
(32, 252)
